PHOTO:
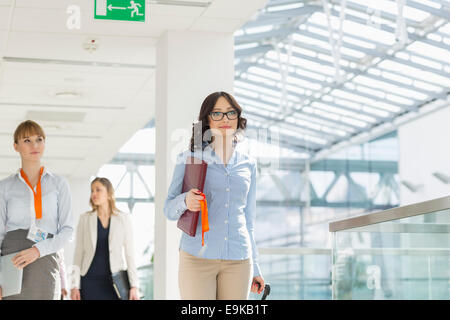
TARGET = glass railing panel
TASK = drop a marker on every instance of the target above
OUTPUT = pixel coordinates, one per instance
(296, 273)
(404, 258)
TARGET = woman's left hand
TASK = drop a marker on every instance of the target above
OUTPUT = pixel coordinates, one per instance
(25, 257)
(134, 294)
(257, 284)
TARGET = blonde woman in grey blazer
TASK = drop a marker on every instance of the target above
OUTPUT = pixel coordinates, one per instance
(104, 245)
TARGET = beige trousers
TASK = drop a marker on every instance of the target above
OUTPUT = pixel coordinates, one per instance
(211, 279)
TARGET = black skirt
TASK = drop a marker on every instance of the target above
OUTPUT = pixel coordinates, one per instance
(97, 284)
(97, 289)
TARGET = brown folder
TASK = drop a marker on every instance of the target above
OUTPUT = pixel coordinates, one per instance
(194, 178)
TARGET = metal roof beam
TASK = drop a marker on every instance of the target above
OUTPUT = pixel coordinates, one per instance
(353, 72)
(377, 166)
(419, 66)
(267, 106)
(335, 165)
(376, 98)
(328, 52)
(410, 76)
(294, 137)
(301, 130)
(307, 117)
(289, 142)
(242, 53)
(292, 74)
(341, 87)
(370, 52)
(431, 58)
(396, 83)
(137, 158)
(263, 36)
(384, 128)
(339, 125)
(306, 78)
(441, 13)
(443, 2)
(378, 53)
(324, 62)
(276, 88)
(383, 14)
(281, 16)
(377, 117)
(382, 26)
(307, 144)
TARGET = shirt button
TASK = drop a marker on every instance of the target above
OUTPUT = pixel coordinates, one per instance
(226, 221)
(226, 205)
(228, 189)
(225, 238)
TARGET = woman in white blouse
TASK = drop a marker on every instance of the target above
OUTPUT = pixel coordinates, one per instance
(104, 237)
(35, 217)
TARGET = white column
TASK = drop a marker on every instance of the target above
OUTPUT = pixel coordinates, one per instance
(189, 66)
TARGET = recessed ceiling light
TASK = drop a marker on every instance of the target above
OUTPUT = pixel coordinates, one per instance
(67, 94)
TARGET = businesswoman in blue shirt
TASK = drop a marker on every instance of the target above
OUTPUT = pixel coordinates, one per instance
(226, 267)
(35, 217)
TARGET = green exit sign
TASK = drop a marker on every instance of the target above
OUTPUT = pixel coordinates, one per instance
(122, 10)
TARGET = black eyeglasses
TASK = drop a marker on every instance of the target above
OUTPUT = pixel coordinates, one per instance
(217, 115)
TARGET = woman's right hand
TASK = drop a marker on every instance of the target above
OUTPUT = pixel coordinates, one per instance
(75, 294)
(192, 199)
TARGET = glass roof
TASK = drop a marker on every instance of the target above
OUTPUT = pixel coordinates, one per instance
(384, 62)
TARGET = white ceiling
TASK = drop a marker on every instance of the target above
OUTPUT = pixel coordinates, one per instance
(115, 83)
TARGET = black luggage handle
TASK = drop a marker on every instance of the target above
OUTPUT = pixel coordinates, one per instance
(266, 291)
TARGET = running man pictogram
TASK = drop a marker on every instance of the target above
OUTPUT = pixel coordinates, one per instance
(135, 6)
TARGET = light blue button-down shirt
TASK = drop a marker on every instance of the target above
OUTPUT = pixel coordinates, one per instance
(231, 196)
(17, 210)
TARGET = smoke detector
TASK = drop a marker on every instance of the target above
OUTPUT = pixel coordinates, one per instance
(91, 44)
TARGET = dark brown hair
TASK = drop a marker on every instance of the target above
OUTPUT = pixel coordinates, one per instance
(110, 190)
(201, 137)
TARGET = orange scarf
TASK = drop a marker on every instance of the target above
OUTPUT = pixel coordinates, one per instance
(205, 224)
(37, 194)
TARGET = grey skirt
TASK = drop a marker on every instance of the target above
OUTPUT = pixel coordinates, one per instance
(41, 279)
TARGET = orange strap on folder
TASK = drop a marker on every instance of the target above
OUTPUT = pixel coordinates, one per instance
(205, 224)
(37, 194)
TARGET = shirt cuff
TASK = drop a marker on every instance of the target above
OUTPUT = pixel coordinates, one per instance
(181, 204)
(41, 249)
(76, 277)
(256, 270)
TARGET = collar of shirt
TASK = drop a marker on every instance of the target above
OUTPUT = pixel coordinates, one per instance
(46, 171)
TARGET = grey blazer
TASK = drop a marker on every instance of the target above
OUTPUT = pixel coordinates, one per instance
(121, 246)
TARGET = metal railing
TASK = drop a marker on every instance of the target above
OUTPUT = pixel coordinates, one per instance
(393, 214)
